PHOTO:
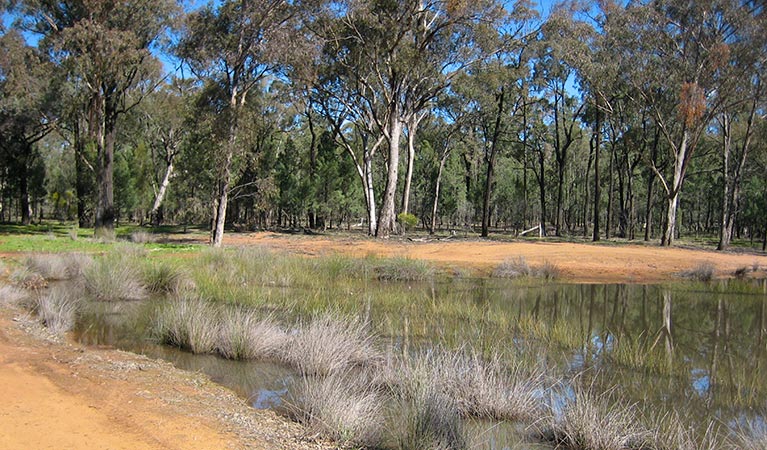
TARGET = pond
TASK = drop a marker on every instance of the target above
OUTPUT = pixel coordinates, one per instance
(698, 349)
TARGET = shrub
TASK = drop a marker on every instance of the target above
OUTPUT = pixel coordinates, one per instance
(343, 407)
(330, 343)
(548, 271)
(407, 220)
(114, 277)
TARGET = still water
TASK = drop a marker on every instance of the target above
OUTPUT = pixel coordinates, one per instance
(698, 349)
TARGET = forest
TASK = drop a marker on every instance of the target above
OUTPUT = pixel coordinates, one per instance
(638, 120)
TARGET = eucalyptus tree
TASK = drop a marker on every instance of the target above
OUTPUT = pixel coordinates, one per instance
(233, 46)
(26, 110)
(385, 62)
(682, 65)
(105, 47)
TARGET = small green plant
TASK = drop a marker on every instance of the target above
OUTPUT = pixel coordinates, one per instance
(407, 221)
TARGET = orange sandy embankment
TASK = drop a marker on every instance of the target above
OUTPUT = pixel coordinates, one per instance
(582, 263)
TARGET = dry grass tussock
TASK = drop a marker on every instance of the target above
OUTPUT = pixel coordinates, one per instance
(702, 272)
(424, 416)
(668, 432)
(58, 266)
(13, 296)
(243, 334)
(57, 308)
(330, 343)
(27, 279)
(188, 323)
(142, 237)
(342, 406)
(480, 388)
(115, 277)
(518, 267)
(593, 422)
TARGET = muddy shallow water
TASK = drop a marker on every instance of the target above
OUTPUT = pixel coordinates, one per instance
(698, 349)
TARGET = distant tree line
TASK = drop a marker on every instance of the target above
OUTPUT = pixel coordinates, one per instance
(636, 120)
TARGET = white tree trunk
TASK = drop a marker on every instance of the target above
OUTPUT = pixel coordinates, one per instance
(161, 191)
(676, 187)
(387, 218)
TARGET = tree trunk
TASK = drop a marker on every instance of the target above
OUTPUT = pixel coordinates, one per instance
(437, 184)
(161, 194)
(676, 187)
(597, 193)
(610, 191)
(724, 226)
(370, 197)
(105, 210)
(412, 128)
(387, 218)
(24, 189)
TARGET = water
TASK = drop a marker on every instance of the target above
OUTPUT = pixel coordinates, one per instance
(697, 349)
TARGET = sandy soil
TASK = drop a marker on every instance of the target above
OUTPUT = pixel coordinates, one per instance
(587, 263)
(58, 395)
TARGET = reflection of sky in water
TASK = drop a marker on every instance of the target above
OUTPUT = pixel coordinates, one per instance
(700, 381)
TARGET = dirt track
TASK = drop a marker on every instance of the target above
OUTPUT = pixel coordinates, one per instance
(587, 263)
(58, 395)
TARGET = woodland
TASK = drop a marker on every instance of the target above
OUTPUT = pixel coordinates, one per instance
(639, 120)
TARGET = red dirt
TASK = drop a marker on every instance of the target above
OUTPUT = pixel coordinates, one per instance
(586, 263)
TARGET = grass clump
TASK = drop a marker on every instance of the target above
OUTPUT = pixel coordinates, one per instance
(12, 296)
(330, 343)
(402, 269)
(590, 422)
(162, 278)
(518, 267)
(57, 309)
(425, 417)
(142, 237)
(751, 437)
(479, 388)
(244, 335)
(187, 323)
(58, 266)
(702, 272)
(343, 407)
(512, 268)
(115, 277)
